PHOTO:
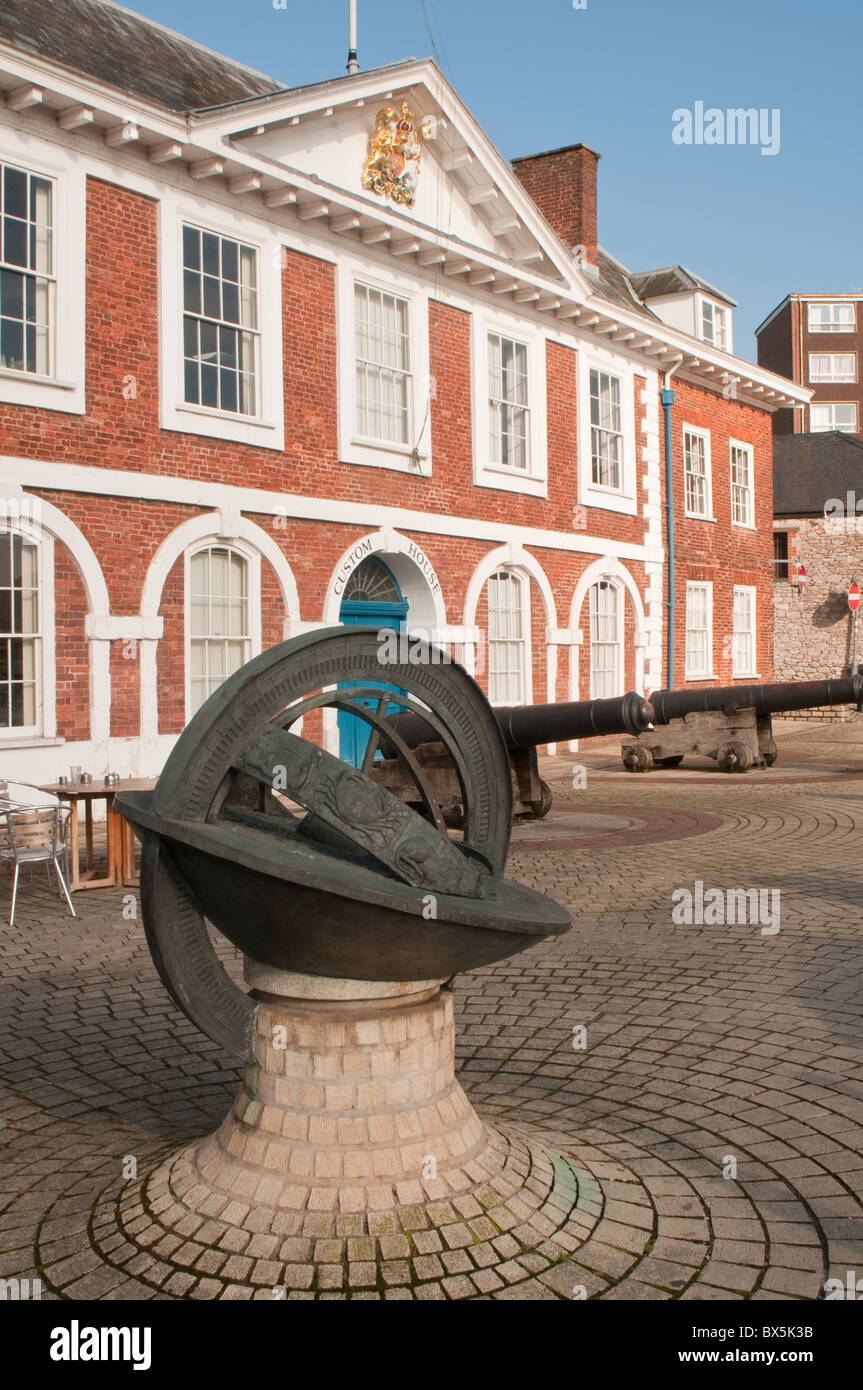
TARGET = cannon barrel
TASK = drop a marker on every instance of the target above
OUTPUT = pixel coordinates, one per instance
(525, 726)
(764, 699)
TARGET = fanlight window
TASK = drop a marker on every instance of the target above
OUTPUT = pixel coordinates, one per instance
(371, 582)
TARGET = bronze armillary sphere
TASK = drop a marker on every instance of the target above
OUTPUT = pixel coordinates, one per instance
(361, 886)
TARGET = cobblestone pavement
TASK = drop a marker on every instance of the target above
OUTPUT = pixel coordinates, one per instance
(717, 1101)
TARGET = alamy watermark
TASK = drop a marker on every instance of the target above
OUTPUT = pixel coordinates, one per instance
(415, 648)
(851, 1288)
(844, 515)
(733, 126)
(77, 1343)
(727, 906)
(20, 1290)
(21, 510)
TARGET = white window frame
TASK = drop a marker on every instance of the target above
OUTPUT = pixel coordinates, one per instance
(702, 301)
(691, 673)
(45, 727)
(833, 427)
(832, 376)
(266, 429)
(625, 498)
(249, 331)
(616, 433)
(619, 644)
(379, 369)
(752, 596)
(532, 480)
(253, 559)
(527, 672)
(832, 327)
(415, 456)
(64, 388)
(506, 402)
(748, 450)
(703, 434)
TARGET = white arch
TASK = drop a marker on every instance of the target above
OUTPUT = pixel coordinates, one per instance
(607, 568)
(413, 571)
(513, 557)
(220, 525)
(510, 556)
(49, 518)
(215, 525)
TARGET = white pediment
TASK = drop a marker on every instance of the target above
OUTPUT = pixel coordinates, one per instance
(336, 149)
(465, 190)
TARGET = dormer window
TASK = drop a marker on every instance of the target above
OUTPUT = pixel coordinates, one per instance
(686, 302)
(714, 324)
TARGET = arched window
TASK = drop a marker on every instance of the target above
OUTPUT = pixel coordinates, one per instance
(20, 634)
(606, 640)
(508, 631)
(219, 622)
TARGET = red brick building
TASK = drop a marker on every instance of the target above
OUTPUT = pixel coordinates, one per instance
(270, 355)
(816, 340)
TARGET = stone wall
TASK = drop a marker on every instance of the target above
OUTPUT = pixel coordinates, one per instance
(814, 632)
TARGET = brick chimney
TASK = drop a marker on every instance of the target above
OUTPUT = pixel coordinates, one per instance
(562, 183)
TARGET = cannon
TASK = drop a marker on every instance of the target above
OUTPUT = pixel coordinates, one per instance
(524, 727)
(731, 724)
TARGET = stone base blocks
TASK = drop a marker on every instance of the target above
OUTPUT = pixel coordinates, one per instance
(344, 1098)
(352, 1165)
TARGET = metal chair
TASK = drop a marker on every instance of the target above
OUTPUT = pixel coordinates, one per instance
(35, 835)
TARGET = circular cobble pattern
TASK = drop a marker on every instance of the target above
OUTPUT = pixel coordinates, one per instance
(608, 826)
(524, 1214)
(707, 1075)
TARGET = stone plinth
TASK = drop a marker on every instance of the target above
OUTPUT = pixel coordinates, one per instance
(352, 1165)
(346, 1095)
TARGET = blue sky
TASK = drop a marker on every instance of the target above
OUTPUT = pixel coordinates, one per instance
(538, 74)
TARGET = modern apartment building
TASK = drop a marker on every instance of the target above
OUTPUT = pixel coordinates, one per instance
(816, 340)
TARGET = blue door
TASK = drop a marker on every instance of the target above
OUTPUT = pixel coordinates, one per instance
(358, 611)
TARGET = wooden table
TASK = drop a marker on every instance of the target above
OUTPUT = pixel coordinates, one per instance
(121, 842)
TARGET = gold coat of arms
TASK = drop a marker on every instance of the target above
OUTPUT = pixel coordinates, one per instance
(393, 165)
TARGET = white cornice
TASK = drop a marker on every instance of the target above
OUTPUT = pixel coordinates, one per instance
(73, 89)
(571, 305)
(111, 482)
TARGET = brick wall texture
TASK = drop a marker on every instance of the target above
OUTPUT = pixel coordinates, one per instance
(120, 431)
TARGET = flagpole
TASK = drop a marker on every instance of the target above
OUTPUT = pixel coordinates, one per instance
(353, 62)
